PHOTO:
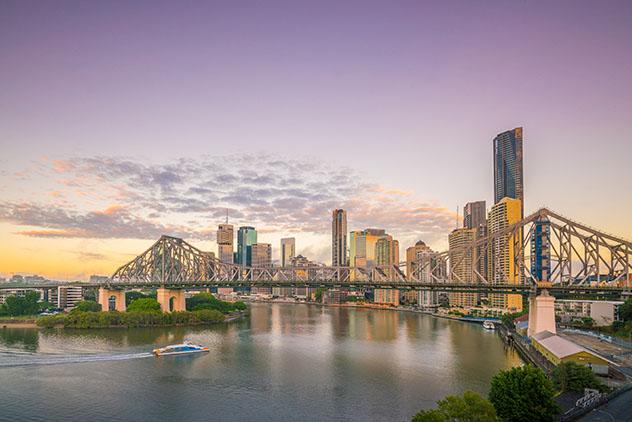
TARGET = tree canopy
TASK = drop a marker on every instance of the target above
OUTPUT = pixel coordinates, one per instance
(87, 306)
(523, 394)
(24, 305)
(471, 407)
(571, 376)
(625, 310)
(206, 301)
(144, 305)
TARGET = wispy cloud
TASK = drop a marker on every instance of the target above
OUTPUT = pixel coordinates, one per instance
(114, 197)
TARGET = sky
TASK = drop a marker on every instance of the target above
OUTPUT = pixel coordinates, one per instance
(120, 121)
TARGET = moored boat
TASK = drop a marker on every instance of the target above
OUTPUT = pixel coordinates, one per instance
(489, 325)
(180, 349)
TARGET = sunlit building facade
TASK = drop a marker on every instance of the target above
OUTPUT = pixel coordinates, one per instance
(288, 251)
(386, 296)
(225, 250)
(261, 255)
(339, 238)
(462, 259)
(503, 252)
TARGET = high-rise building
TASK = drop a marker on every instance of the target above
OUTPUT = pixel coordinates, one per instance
(462, 259)
(508, 178)
(474, 214)
(362, 247)
(288, 251)
(503, 254)
(246, 237)
(225, 243)
(339, 238)
(541, 250)
(412, 253)
(387, 254)
(386, 296)
(261, 255)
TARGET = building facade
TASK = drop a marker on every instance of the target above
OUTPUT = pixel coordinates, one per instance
(362, 247)
(411, 257)
(386, 296)
(339, 238)
(602, 312)
(225, 250)
(504, 258)
(508, 173)
(474, 214)
(541, 250)
(288, 251)
(261, 255)
(246, 237)
(462, 260)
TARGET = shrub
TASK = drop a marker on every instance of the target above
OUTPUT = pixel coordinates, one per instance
(209, 316)
(144, 305)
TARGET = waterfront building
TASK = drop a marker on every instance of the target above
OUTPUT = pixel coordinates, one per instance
(282, 291)
(246, 237)
(503, 257)
(474, 214)
(334, 297)
(288, 250)
(558, 350)
(225, 243)
(386, 296)
(429, 267)
(5, 293)
(261, 291)
(261, 255)
(508, 177)
(411, 257)
(541, 250)
(339, 238)
(462, 259)
(65, 297)
(602, 312)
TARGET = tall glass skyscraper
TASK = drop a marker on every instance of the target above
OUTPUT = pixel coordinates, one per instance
(508, 180)
(541, 250)
(246, 237)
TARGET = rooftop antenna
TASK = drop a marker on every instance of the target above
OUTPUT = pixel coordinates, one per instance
(226, 215)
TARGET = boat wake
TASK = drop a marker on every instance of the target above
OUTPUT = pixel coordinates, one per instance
(6, 360)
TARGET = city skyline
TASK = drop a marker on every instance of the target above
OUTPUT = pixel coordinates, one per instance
(399, 134)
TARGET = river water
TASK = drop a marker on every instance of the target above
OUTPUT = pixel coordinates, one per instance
(282, 362)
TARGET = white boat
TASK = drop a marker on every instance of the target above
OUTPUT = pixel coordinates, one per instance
(180, 349)
(489, 325)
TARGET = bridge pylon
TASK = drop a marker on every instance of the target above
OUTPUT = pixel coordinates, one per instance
(106, 294)
(541, 314)
(171, 300)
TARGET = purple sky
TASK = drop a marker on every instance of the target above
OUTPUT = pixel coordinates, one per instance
(402, 96)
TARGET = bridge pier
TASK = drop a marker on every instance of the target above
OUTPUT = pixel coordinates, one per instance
(541, 314)
(106, 294)
(171, 300)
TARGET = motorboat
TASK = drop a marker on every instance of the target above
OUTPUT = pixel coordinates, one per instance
(489, 325)
(180, 349)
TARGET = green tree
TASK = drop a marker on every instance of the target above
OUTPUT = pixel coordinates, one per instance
(23, 305)
(625, 310)
(523, 394)
(133, 295)
(87, 306)
(144, 305)
(318, 295)
(571, 376)
(471, 407)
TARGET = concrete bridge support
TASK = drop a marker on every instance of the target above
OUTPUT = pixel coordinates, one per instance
(541, 314)
(171, 300)
(106, 294)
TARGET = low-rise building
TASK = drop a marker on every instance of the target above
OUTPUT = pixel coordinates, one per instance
(65, 297)
(557, 349)
(602, 312)
(334, 297)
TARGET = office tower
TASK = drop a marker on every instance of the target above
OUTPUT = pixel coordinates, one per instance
(362, 247)
(246, 237)
(411, 258)
(474, 214)
(261, 255)
(541, 250)
(508, 180)
(462, 258)
(225, 243)
(339, 238)
(387, 255)
(288, 251)
(502, 260)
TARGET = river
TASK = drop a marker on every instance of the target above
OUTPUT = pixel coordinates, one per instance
(282, 362)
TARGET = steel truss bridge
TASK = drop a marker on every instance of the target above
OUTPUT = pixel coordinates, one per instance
(582, 260)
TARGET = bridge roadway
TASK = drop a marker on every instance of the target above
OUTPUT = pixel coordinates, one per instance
(555, 289)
